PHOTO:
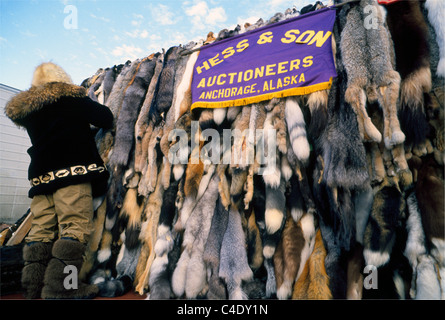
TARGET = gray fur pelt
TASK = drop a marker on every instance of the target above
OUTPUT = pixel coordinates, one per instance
(110, 77)
(189, 276)
(212, 250)
(164, 93)
(120, 86)
(425, 283)
(141, 135)
(159, 279)
(134, 97)
(368, 58)
(234, 267)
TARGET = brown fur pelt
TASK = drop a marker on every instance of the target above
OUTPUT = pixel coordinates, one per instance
(313, 283)
(148, 236)
(409, 32)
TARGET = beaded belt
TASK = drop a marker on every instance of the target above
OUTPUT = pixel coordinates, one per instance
(79, 170)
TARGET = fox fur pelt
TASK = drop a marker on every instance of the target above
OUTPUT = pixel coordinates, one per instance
(436, 16)
(234, 267)
(410, 36)
(313, 283)
(142, 129)
(159, 279)
(189, 277)
(211, 256)
(134, 97)
(368, 61)
(386, 213)
(164, 93)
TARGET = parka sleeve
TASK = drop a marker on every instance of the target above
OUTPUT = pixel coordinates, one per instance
(98, 114)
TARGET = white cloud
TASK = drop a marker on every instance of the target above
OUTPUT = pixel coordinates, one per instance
(127, 52)
(137, 33)
(163, 15)
(92, 15)
(202, 16)
(216, 15)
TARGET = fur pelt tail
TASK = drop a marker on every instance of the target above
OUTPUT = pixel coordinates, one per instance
(297, 130)
(380, 234)
(436, 16)
(234, 267)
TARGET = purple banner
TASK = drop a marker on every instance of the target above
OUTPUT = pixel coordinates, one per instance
(291, 57)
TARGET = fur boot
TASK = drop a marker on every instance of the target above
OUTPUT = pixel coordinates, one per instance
(66, 253)
(36, 256)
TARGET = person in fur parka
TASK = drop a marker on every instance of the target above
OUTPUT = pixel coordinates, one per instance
(65, 172)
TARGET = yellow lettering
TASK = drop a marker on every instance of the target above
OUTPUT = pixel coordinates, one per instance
(286, 81)
(252, 88)
(202, 96)
(269, 69)
(308, 34)
(281, 67)
(232, 75)
(242, 45)
(209, 95)
(240, 91)
(302, 79)
(214, 92)
(259, 72)
(219, 82)
(211, 81)
(228, 52)
(279, 83)
(294, 64)
(265, 37)
(214, 61)
(202, 83)
(205, 65)
(290, 36)
(265, 86)
(320, 38)
(233, 92)
(248, 75)
(307, 61)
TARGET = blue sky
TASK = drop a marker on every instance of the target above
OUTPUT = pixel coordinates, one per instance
(85, 35)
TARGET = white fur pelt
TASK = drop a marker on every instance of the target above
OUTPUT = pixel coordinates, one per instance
(436, 16)
(189, 276)
(234, 267)
(425, 283)
(159, 279)
(297, 129)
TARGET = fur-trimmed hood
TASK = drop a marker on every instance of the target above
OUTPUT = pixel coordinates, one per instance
(37, 97)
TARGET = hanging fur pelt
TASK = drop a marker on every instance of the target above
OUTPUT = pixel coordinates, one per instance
(294, 249)
(425, 282)
(386, 213)
(159, 280)
(189, 277)
(117, 94)
(166, 84)
(234, 267)
(410, 36)
(148, 235)
(297, 130)
(212, 250)
(142, 132)
(134, 97)
(436, 16)
(368, 60)
(313, 283)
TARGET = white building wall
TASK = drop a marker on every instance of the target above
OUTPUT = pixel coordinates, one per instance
(14, 162)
